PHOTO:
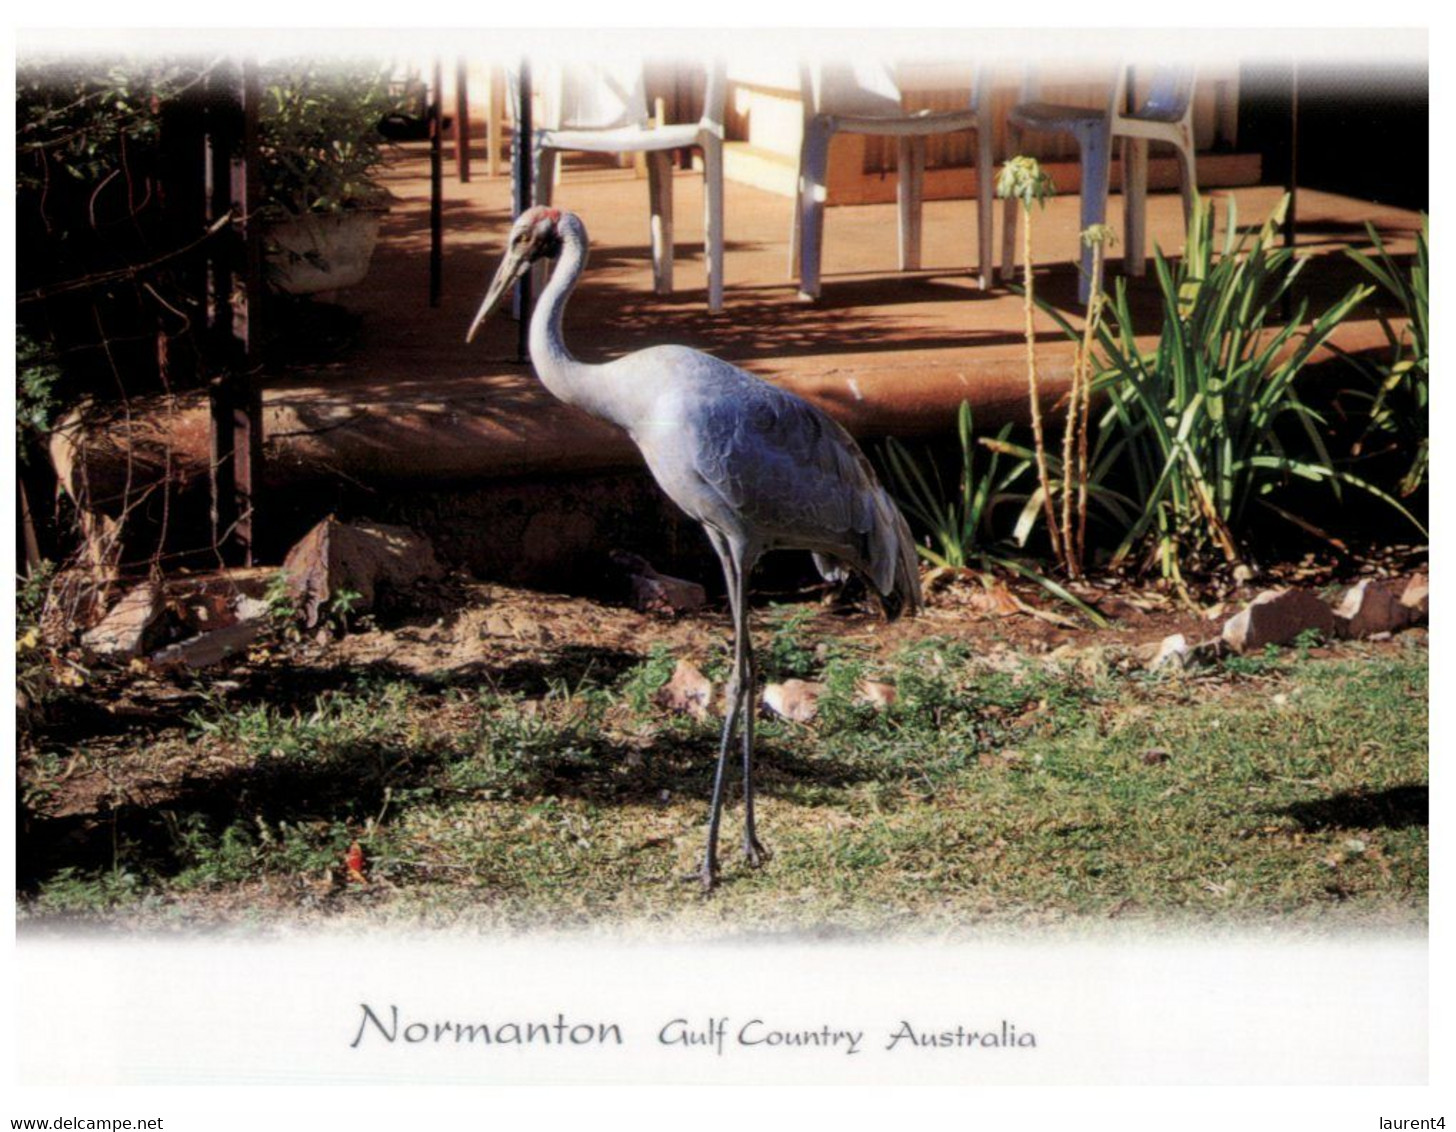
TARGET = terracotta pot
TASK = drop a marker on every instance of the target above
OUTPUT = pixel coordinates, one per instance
(322, 251)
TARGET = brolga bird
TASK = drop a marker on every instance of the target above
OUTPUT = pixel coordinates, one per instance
(758, 467)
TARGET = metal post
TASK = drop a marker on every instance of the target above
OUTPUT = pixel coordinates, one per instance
(462, 123)
(247, 407)
(1291, 181)
(437, 188)
(521, 156)
(235, 310)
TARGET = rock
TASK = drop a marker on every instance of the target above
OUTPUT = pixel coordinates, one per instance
(210, 648)
(1370, 606)
(1276, 617)
(364, 557)
(649, 591)
(250, 609)
(688, 691)
(993, 600)
(1172, 653)
(1119, 609)
(795, 700)
(122, 634)
(875, 694)
(664, 595)
(1417, 598)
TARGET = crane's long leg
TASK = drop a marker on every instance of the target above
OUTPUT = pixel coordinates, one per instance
(753, 850)
(735, 576)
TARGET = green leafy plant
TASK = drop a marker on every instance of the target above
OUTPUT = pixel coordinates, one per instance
(1195, 423)
(641, 683)
(319, 136)
(958, 518)
(340, 607)
(37, 390)
(1399, 408)
(789, 653)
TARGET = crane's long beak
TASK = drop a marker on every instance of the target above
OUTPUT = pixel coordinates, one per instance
(515, 264)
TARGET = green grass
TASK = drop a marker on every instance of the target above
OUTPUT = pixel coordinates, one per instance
(1282, 787)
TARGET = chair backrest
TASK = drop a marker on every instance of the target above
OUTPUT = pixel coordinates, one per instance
(1169, 94)
(608, 96)
(876, 89)
(870, 89)
(586, 96)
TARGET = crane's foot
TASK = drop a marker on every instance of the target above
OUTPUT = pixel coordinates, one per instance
(707, 876)
(754, 852)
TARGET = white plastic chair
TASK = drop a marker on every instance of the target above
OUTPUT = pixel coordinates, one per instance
(599, 109)
(1164, 115)
(866, 99)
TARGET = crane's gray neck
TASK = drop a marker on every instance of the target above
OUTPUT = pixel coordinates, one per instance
(568, 379)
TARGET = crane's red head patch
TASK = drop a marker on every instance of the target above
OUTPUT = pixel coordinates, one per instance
(535, 233)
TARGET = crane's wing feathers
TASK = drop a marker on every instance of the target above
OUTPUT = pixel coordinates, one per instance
(794, 477)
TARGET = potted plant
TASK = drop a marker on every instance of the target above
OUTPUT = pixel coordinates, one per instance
(320, 144)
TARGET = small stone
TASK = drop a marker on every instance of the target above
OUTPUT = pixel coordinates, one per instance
(795, 700)
(250, 609)
(1417, 598)
(652, 592)
(875, 694)
(1370, 606)
(1172, 653)
(666, 596)
(688, 691)
(1276, 617)
(122, 633)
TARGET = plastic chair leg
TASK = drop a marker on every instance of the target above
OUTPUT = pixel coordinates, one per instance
(1135, 205)
(795, 233)
(659, 187)
(1187, 176)
(908, 193)
(811, 209)
(985, 209)
(713, 219)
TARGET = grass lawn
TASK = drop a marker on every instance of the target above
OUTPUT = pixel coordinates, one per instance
(999, 789)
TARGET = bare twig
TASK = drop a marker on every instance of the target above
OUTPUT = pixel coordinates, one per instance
(104, 278)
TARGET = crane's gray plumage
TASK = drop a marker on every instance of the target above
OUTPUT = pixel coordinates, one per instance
(758, 467)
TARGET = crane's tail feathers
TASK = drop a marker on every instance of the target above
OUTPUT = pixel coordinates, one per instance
(905, 595)
(894, 565)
